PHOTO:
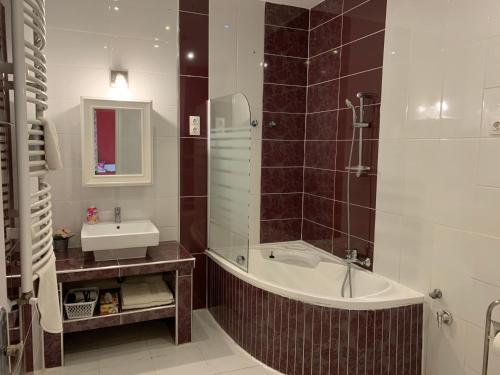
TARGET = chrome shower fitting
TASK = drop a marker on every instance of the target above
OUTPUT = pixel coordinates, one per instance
(360, 169)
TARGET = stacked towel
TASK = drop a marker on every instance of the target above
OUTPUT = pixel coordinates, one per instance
(146, 292)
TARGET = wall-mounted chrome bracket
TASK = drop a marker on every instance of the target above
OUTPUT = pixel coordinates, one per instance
(361, 125)
(444, 317)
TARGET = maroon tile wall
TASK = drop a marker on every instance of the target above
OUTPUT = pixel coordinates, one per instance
(346, 44)
(193, 96)
(344, 50)
(285, 92)
(294, 337)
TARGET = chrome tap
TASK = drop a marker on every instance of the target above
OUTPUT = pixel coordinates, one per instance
(118, 215)
(352, 258)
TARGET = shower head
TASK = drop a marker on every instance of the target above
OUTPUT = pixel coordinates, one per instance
(349, 104)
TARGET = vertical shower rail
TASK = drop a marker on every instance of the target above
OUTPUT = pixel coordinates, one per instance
(30, 100)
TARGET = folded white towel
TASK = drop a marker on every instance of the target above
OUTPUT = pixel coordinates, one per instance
(141, 295)
(52, 149)
(48, 298)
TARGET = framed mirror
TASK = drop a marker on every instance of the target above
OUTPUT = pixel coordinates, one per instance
(116, 142)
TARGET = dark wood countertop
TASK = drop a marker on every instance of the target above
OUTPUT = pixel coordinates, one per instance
(75, 265)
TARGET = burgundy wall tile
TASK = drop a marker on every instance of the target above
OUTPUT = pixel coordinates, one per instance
(193, 167)
(363, 82)
(319, 182)
(199, 282)
(352, 347)
(393, 342)
(325, 67)
(379, 347)
(326, 335)
(322, 126)
(193, 44)
(362, 220)
(281, 206)
(361, 345)
(364, 54)
(317, 235)
(184, 309)
(198, 6)
(323, 97)
(371, 115)
(299, 345)
(400, 341)
(288, 126)
(320, 154)
(193, 102)
(292, 335)
(52, 350)
(325, 37)
(286, 42)
(279, 98)
(285, 70)
(308, 332)
(316, 339)
(287, 16)
(280, 230)
(277, 332)
(334, 341)
(325, 11)
(285, 335)
(193, 224)
(271, 330)
(343, 341)
(364, 248)
(319, 210)
(370, 342)
(363, 189)
(282, 153)
(349, 4)
(364, 20)
(282, 180)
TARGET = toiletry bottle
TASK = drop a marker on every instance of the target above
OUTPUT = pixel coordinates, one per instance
(92, 215)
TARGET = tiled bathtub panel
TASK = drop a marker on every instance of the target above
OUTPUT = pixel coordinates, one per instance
(285, 334)
(316, 339)
(297, 338)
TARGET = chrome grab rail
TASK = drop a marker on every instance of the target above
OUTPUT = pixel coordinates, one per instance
(487, 335)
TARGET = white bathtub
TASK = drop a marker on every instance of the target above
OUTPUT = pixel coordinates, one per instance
(303, 272)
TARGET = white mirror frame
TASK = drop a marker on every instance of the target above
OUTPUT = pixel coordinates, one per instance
(89, 178)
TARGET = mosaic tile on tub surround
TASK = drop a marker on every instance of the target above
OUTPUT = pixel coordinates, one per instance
(294, 337)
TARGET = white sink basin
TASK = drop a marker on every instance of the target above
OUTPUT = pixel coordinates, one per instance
(125, 240)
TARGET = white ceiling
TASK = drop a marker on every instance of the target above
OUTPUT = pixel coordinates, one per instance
(297, 3)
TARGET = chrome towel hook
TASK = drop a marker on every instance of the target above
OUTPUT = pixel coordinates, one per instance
(487, 335)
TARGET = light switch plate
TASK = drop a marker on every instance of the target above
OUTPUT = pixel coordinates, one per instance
(194, 125)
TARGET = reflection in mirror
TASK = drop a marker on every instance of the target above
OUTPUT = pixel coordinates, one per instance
(117, 141)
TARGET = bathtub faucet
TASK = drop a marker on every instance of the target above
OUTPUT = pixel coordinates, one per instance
(352, 258)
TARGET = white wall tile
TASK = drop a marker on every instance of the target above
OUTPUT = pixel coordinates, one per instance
(388, 245)
(79, 65)
(489, 158)
(491, 110)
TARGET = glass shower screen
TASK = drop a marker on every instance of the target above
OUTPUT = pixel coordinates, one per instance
(230, 148)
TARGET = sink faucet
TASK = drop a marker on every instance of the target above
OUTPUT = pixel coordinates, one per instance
(118, 215)
(352, 258)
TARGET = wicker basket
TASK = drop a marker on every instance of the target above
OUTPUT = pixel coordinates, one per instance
(81, 310)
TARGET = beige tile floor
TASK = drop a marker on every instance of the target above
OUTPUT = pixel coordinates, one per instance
(148, 349)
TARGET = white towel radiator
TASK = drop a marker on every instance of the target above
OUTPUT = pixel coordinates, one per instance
(30, 99)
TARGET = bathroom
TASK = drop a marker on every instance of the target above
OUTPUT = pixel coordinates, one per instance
(250, 187)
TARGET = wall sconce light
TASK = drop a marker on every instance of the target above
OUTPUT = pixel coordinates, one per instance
(119, 79)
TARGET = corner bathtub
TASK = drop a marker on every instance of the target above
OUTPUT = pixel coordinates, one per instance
(288, 312)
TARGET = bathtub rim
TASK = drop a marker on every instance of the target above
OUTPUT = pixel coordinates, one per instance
(396, 295)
